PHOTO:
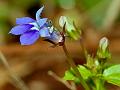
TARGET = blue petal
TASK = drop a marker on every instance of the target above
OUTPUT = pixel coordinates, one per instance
(29, 38)
(24, 20)
(42, 21)
(55, 37)
(44, 32)
(20, 29)
(38, 13)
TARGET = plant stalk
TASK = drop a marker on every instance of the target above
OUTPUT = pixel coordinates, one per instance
(72, 64)
(100, 84)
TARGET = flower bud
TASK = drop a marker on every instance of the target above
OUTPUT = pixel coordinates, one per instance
(70, 28)
(62, 21)
(103, 50)
(103, 44)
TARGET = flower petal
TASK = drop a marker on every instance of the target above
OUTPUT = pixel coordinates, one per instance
(44, 32)
(20, 29)
(24, 20)
(55, 37)
(42, 21)
(38, 13)
(35, 26)
(29, 38)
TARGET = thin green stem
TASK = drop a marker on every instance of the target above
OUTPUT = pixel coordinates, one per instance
(83, 48)
(100, 84)
(16, 80)
(72, 64)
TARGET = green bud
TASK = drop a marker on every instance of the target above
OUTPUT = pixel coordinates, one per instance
(70, 28)
(103, 44)
(103, 50)
(64, 20)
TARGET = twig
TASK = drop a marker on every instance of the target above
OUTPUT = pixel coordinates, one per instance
(17, 81)
(71, 86)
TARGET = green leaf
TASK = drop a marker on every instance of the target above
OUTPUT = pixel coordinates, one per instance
(112, 74)
(85, 73)
(69, 74)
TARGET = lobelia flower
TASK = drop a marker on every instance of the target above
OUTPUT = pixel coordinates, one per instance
(29, 29)
(55, 37)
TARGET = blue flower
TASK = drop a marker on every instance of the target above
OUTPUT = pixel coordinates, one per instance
(29, 29)
(56, 37)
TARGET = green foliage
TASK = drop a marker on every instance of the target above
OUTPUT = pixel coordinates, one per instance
(96, 73)
(85, 73)
(112, 74)
(69, 75)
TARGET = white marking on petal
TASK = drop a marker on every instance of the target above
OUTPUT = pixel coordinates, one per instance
(35, 28)
(35, 24)
(51, 29)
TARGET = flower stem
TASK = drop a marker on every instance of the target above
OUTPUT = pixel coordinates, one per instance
(83, 48)
(16, 80)
(100, 84)
(72, 64)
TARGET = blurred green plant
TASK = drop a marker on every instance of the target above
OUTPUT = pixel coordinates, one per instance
(96, 70)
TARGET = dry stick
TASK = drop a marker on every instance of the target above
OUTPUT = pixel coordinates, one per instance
(71, 87)
(17, 81)
(72, 64)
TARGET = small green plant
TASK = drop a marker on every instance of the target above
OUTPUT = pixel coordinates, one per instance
(93, 74)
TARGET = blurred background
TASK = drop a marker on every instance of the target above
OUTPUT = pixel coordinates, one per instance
(97, 18)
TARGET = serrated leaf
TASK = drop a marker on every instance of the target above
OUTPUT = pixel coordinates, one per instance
(114, 79)
(112, 75)
(85, 73)
(112, 70)
(69, 74)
